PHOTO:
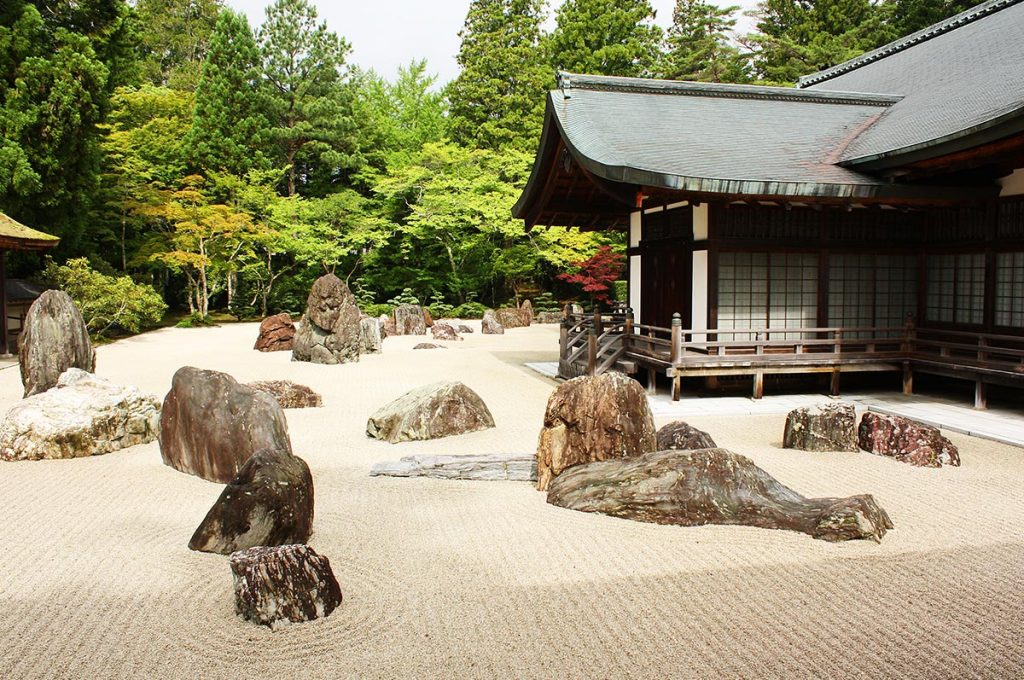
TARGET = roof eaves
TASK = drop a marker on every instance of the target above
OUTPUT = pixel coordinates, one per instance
(906, 42)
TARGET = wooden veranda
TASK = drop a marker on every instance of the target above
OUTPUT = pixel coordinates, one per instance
(593, 344)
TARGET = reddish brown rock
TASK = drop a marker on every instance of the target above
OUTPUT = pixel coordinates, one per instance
(823, 427)
(489, 325)
(330, 329)
(53, 339)
(289, 394)
(433, 411)
(210, 425)
(711, 486)
(428, 318)
(443, 331)
(512, 317)
(276, 334)
(593, 418)
(284, 584)
(683, 437)
(908, 441)
(410, 320)
(526, 308)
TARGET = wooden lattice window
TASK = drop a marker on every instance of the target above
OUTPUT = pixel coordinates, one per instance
(767, 290)
(1009, 302)
(871, 291)
(956, 288)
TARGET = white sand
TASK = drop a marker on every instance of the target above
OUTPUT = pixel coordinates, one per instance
(484, 579)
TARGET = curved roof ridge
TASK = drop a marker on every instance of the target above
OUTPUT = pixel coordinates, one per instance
(906, 42)
(568, 81)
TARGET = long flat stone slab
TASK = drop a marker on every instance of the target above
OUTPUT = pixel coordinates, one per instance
(516, 467)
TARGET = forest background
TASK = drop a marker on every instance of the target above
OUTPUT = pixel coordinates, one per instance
(191, 161)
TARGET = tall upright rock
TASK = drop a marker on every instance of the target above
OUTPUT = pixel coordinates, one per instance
(330, 329)
(53, 339)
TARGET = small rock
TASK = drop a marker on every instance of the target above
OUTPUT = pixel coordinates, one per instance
(908, 441)
(433, 411)
(289, 394)
(512, 317)
(518, 467)
(684, 437)
(283, 584)
(443, 331)
(53, 339)
(428, 345)
(463, 328)
(548, 317)
(829, 426)
(489, 325)
(276, 334)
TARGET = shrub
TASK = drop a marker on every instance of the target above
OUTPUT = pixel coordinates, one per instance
(194, 321)
(468, 310)
(107, 302)
(364, 296)
(621, 289)
(439, 309)
(406, 297)
(597, 274)
(376, 310)
(545, 302)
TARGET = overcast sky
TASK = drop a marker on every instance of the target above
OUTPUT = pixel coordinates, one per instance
(386, 34)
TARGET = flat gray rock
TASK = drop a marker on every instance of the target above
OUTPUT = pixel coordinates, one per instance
(515, 467)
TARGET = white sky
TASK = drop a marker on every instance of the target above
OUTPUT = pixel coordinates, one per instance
(386, 34)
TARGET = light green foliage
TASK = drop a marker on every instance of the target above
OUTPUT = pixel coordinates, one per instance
(406, 297)
(439, 309)
(107, 303)
(497, 101)
(545, 302)
(621, 290)
(309, 107)
(908, 16)
(228, 124)
(376, 310)
(699, 44)
(174, 36)
(469, 310)
(606, 37)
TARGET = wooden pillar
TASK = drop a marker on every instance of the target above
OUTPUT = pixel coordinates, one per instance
(980, 395)
(908, 379)
(834, 386)
(676, 388)
(3, 304)
(592, 352)
(758, 385)
(676, 354)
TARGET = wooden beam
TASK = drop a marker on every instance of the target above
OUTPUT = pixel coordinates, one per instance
(4, 340)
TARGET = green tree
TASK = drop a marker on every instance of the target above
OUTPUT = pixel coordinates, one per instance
(229, 125)
(309, 107)
(497, 100)
(174, 36)
(699, 45)
(908, 16)
(606, 37)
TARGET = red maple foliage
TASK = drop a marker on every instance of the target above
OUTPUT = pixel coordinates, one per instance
(597, 273)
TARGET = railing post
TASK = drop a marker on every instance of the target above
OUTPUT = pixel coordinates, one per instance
(598, 324)
(592, 351)
(677, 338)
(908, 334)
(837, 337)
(627, 330)
(563, 338)
(980, 393)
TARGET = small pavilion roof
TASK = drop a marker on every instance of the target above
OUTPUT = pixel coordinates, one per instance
(16, 236)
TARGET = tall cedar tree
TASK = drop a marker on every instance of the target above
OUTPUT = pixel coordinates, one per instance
(907, 16)
(309, 107)
(606, 37)
(797, 37)
(699, 44)
(497, 100)
(229, 125)
(174, 36)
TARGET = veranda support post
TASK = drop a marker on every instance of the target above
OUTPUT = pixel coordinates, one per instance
(677, 353)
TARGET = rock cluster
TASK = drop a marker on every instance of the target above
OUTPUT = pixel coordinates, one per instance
(519, 467)
(410, 320)
(593, 418)
(490, 325)
(269, 502)
(276, 334)
(210, 424)
(330, 329)
(683, 436)
(283, 584)
(433, 411)
(83, 415)
(53, 339)
(443, 331)
(908, 441)
(370, 336)
(830, 426)
(289, 394)
(548, 317)
(711, 486)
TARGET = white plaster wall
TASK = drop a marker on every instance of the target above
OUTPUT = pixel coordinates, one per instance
(635, 220)
(1012, 184)
(700, 222)
(699, 299)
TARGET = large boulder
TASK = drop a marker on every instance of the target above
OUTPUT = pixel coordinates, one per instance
(289, 394)
(443, 331)
(53, 339)
(908, 441)
(370, 336)
(512, 317)
(275, 586)
(526, 309)
(410, 320)
(277, 333)
(519, 467)
(822, 427)
(330, 329)
(593, 418)
(83, 415)
(210, 425)
(548, 317)
(490, 325)
(711, 486)
(269, 502)
(433, 411)
(684, 437)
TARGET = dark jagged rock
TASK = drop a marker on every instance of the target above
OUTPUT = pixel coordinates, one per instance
(269, 502)
(210, 425)
(410, 320)
(53, 339)
(277, 333)
(330, 329)
(822, 427)
(285, 584)
(443, 331)
(428, 345)
(512, 317)
(370, 336)
(289, 394)
(520, 467)
(433, 411)
(711, 486)
(683, 436)
(908, 441)
(593, 418)
(490, 325)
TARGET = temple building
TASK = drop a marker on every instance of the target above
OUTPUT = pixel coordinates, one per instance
(869, 219)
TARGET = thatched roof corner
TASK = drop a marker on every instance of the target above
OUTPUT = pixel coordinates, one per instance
(16, 236)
